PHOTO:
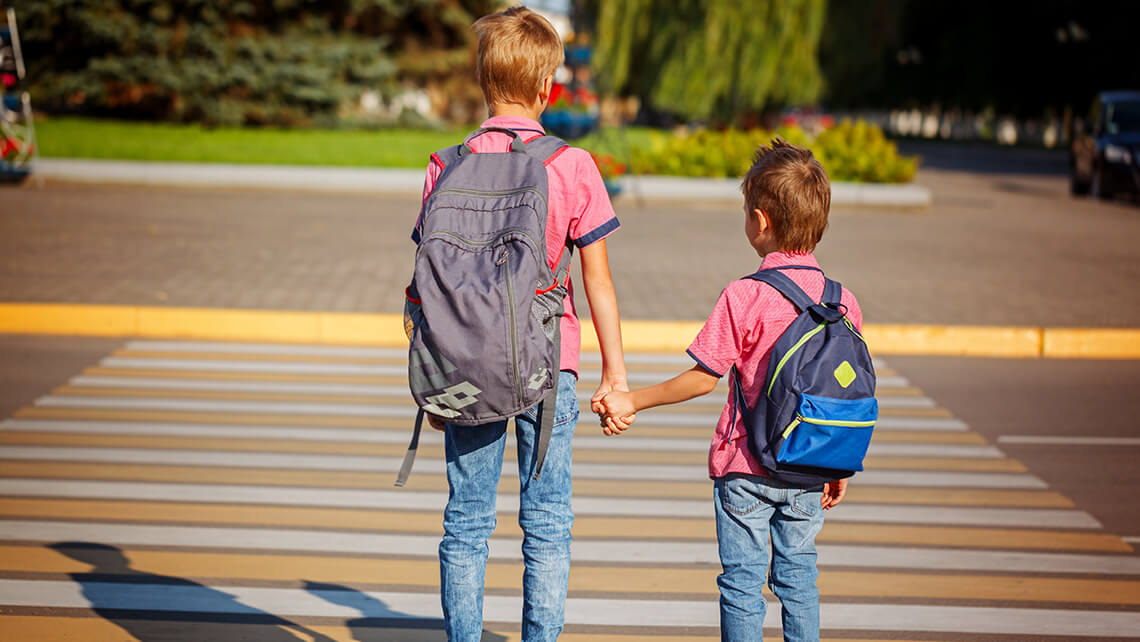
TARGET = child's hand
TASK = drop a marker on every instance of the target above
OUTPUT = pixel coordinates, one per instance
(833, 493)
(619, 412)
(436, 422)
(609, 383)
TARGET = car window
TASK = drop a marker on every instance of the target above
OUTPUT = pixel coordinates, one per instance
(1122, 117)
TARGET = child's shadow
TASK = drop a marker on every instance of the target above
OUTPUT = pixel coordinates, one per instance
(379, 622)
(153, 608)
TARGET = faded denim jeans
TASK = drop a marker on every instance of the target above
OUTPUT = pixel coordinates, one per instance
(474, 465)
(748, 508)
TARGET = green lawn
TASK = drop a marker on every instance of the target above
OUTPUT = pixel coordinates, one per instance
(121, 140)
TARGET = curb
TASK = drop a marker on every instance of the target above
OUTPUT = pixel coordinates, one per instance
(639, 336)
(388, 180)
(674, 188)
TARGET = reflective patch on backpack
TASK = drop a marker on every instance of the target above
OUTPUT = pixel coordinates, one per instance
(452, 400)
(845, 374)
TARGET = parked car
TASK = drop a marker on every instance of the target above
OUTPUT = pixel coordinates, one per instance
(1103, 158)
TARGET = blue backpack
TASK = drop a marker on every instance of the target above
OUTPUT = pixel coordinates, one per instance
(813, 421)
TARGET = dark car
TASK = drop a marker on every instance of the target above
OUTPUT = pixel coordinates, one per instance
(1103, 158)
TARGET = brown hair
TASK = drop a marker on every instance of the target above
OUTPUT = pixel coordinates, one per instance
(789, 185)
(518, 48)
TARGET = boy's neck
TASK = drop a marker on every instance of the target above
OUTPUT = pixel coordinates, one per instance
(516, 110)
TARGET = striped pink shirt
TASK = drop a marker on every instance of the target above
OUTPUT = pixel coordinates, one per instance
(743, 328)
(579, 209)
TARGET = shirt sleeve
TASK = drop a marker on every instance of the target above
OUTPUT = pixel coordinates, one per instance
(431, 175)
(595, 219)
(720, 342)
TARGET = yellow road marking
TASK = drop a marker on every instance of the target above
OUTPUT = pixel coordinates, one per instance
(264, 565)
(584, 526)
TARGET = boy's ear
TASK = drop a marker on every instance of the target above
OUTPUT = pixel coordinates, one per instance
(762, 219)
(545, 89)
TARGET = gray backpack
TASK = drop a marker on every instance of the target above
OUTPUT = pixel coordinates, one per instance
(484, 306)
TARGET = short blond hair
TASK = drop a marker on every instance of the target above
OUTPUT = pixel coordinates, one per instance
(518, 48)
(788, 184)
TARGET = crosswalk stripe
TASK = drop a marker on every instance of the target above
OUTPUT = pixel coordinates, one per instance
(857, 493)
(700, 410)
(596, 551)
(585, 526)
(585, 611)
(435, 500)
(377, 463)
(587, 449)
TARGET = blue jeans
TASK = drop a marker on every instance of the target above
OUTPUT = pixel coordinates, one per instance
(748, 507)
(474, 465)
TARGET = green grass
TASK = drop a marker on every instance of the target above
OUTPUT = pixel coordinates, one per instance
(123, 140)
(120, 140)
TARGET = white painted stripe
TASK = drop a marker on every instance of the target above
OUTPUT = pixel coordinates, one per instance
(599, 551)
(275, 349)
(229, 405)
(933, 424)
(234, 431)
(431, 465)
(328, 368)
(381, 436)
(294, 387)
(508, 504)
(1069, 441)
(649, 418)
(1132, 540)
(290, 602)
(237, 365)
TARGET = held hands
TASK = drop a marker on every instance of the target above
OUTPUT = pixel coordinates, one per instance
(616, 412)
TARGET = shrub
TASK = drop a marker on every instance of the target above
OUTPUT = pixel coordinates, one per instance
(851, 151)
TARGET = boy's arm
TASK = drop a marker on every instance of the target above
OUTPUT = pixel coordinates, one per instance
(619, 406)
(600, 294)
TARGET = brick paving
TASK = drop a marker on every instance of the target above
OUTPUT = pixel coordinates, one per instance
(994, 249)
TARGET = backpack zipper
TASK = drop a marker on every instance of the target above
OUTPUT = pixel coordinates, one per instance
(482, 243)
(490, 193)
(788, 355)
(840, 423)
(504, 262)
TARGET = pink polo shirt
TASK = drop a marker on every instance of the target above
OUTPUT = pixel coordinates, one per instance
(743, 328)
(578, 210)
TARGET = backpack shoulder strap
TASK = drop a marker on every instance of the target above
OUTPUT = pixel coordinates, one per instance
(784, 286)
(546, 148)
(832, 293)
(446, 157)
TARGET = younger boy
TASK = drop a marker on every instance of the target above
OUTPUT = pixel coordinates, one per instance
(787, 197)
(518, 52)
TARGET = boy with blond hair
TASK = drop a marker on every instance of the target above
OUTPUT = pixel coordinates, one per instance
(787, 197)
(518, 53)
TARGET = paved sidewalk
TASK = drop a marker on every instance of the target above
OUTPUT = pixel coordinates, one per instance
(1002, 249)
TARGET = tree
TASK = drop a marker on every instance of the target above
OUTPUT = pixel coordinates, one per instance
(261, 62)
(709, 59)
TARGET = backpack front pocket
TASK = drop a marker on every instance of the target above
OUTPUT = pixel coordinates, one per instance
(829, 433)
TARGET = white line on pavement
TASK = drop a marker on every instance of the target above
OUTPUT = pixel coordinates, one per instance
(432, 465)
(592, 550)
(406, 499)
(398, 436)
(1069, 441)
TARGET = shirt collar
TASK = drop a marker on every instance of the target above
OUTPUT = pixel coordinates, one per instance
(513, 122)
(783, 259)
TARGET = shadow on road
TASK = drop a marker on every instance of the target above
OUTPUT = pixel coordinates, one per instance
(151, 607)
(378, 620)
